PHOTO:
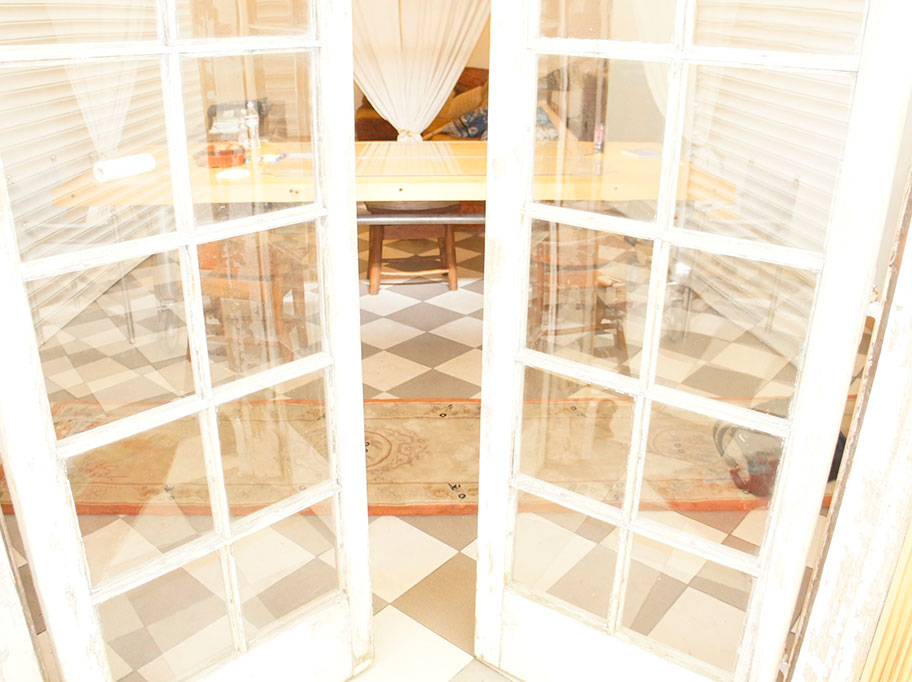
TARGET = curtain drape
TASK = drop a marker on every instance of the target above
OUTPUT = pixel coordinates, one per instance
(409, 54)
(652, 20)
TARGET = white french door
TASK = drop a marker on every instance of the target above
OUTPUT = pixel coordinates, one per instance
(181, 403)
(684, 209)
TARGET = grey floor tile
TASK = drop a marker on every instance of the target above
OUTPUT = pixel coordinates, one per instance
(424, 316)
(136, 648)
(429, 350)
(370, 391)
(726, 521)
(181, 588)
(458, 531)
(89, 523)
(444, 602)
(476, 285)
(725, 584)
(650, 594)
(367, 350)
(435, 385)
(739, 544)
(301, 587)
(588, 584)
(721, 382)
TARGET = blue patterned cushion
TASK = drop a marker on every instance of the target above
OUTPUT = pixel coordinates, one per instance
(472, 124)
(544, 129)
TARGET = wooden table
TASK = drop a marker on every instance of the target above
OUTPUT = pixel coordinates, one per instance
(386, 171)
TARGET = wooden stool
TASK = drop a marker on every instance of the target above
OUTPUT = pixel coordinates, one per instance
(444, 233)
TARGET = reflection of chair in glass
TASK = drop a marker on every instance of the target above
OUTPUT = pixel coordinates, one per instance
(760, 206)
(572, 295)
(260, 273)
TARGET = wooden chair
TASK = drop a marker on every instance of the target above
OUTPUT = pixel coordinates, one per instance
(560, 267)
(444, 233)
(260, 272)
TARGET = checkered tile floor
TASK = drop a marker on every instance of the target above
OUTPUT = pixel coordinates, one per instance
(423, 577)
(419, 340)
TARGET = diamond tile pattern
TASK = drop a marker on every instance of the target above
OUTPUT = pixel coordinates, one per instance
(420, 341)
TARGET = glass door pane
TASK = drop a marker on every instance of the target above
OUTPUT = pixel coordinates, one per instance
(177, 232)
(663, 208)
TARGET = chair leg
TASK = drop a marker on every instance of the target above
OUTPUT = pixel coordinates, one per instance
(283, 335)
(450, 264)
(300, 308)
(375, 258)
(441, 247)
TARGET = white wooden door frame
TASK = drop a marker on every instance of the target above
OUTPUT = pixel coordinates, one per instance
(18, 648)
(873, 508)
(845, 274)
(337, 627)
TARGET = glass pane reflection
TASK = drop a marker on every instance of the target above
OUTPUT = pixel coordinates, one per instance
(261, 298)
(599, 131)
(651, 21)
(229, 18)
(763, 152)
(85, 155)
(734, 329)
(789, 25)
(587, 296)
(687, 603)
(170, 628)
(141, 496)
(249, 128)
(76, 21)
(576, 435)
(274, 443)
(112, 341)
(564, 555)
(299, 567)
(698, 467)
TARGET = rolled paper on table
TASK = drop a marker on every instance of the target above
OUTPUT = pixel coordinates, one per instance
(123, 167)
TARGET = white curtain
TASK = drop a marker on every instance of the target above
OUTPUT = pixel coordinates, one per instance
(409, 54)
(654, 24)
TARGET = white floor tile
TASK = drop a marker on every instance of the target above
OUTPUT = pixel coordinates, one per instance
(203, 645)
(471, 550)
(750, 360)
(466, 367)
(385, 332)
(119, 667)
(476, 671)
(545, 551)
(118, 618)
(684, 523)
(674, 367)
(465, 330)
(672, 562)
(114, 548)
(751, 529)
(384, 370)
(386, 302)
(401, 556)
(460, 301)
(702, 626)
(406, 651)
(266, 557)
